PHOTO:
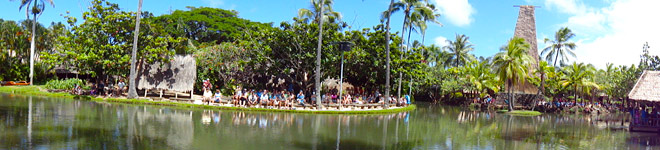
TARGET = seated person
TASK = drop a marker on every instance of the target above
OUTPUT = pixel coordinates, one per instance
(407, 100)
(282, 98)
(237, 97)
(273, 99)
(244, 97)
(324, 98)
(301, 98)
(334, 98)
(264, 98)
(291, 99)
(121, 86)
(359, 100)
(217, 97)
(348, 99)
(252, 99)
(312, 99)
(207, 96)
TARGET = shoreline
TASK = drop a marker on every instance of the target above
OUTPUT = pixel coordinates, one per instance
(38, 91)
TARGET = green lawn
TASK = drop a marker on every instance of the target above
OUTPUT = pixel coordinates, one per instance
(38, 91)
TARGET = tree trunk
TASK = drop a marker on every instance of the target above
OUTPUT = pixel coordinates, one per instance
(387, 49)
(403, 33)
(132, 93)
(556, 57)
(541, 90)
(32, 46)
(318, 59)
(510, 96)
(575, 99)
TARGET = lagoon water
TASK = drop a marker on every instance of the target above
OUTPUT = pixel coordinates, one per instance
(54, 123)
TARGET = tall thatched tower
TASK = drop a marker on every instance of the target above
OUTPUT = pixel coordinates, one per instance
(526, 29)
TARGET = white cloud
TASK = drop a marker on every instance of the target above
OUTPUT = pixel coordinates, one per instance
(614, 33)
(458, 12)
(440, 41)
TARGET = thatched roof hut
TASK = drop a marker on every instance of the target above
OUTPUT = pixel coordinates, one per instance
(177, 75)
(647, 87)
(526, 29)
(331, 83)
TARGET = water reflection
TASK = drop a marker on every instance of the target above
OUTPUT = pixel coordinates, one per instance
(45, 123)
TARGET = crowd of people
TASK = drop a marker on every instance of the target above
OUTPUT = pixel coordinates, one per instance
(102, 89)
(645, 115)
(288, 99)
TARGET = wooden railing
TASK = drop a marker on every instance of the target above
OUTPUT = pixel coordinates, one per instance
(645, 122)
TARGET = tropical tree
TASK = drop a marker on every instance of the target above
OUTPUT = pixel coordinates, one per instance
(460, 49)
(512, 65)
(428, 15)
(437, 57)
(479, 75)
(101, 44)
(409, 7)
(131, 85)
(578, 76)
(542, 72)
(202, 25)
(560, 48)
(319, 8)
(417, 22)
(36, 8)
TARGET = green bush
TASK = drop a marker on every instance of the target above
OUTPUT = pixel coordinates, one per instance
(66, 84)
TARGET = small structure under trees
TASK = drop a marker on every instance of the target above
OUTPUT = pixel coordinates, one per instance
(646, 96)
(177, 75)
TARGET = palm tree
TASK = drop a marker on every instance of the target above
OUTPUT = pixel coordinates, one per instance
(409, 7)
(578, 76)
(460, 49)
(36, 7)
(431, 16)
(542, 70)
(480, 76)
(131, 86)
(388, 15)
(320, 19)
(511, 64)
(418, 19)
(560, 48)
(329, 16)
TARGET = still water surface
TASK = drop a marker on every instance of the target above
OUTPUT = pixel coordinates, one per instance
(53, 123)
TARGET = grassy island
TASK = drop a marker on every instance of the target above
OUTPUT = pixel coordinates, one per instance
(521, 112)
(39, 91)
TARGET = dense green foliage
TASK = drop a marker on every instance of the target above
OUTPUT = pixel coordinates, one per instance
(101, 44)
(66, 84)
(232, 51)
(15, 49)
(206, 25)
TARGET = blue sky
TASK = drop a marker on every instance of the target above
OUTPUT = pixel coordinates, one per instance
(606, 30)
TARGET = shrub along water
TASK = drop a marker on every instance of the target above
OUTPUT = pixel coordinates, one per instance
(65, 84)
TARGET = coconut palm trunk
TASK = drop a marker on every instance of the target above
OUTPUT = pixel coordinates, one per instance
(403, 33)
(510, 95)
(387, 50)
(318, 58)
(132, 93)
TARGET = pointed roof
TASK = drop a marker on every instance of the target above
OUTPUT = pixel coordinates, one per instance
(647, 87)
(526, 29)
